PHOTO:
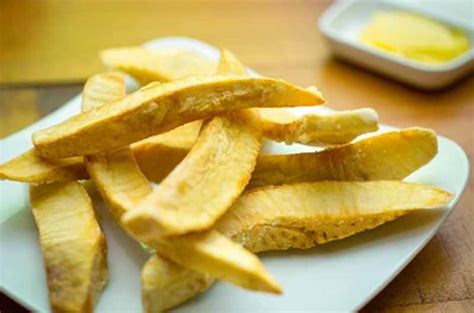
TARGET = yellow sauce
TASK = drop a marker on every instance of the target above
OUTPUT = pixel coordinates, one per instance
(415, 37)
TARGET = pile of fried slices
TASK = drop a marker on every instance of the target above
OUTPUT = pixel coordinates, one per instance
(195, 129)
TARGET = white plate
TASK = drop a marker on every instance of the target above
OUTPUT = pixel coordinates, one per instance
(342, 275)
(343, 21)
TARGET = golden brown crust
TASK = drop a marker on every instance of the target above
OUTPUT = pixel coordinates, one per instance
(166, 284)
(389, 156)
(304, 214)
(328, 129)
(28, 167)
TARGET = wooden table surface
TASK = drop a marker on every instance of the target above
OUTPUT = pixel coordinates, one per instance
(277, 38)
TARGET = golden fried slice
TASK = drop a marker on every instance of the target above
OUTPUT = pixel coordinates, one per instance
(30, 168)
(389, 156)
(314, 129)
(191, 197)
(103, 88)
(148, 65)
(213, 253)
(118, 179)
(165, 284)
(158, 108)
(123, 186)
(73, 246)
(302, 215)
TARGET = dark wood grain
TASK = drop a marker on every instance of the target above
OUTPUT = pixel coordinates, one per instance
(279, 39)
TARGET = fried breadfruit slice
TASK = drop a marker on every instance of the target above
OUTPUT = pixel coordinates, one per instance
(158, 108)
(73, 246)
(28, 167)
(305, 214)
(389, 156)
(166, 284)
(123, 186)
(147, 65)
(315, 129)
(213, 253)
(191, 197)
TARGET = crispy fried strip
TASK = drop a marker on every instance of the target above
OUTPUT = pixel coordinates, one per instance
(392, 155)
(28, 167)
(73, 246)
(123, 186)
(191, 197)
(148, 65)
(313, 129)
(305, 214)
(156, 109)
(165, 284)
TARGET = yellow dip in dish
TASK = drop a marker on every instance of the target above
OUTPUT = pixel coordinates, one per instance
(415, 37)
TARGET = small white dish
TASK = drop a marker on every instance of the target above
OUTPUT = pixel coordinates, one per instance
(342, 22)
(339, 276)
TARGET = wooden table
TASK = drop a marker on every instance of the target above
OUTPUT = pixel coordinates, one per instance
(277, 38)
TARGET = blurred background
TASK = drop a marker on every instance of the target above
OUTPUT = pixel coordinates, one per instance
(49, 48)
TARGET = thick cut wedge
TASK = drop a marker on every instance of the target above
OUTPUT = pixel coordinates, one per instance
(213, 253)
(389, 156)
(123, 186)
(314, 129)
(31, 168)
(302, 215)
(73, 246)
(166, 284)
(148, 65)
(192, 197)
(158, 108)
